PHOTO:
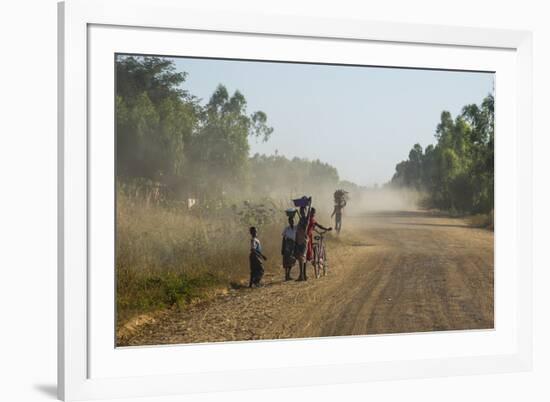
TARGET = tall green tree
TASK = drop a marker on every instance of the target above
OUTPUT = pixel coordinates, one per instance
(165, 135)
(457, 173)
(155, 119)
(219, 147)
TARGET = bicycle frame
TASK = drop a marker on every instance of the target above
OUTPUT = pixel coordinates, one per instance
(320, 254)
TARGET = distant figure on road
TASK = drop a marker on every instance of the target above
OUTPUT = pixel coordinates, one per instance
(337, 212)
(288, 245)
(339, 204)
(256, 256)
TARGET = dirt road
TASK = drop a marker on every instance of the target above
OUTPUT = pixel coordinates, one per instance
(390, 272)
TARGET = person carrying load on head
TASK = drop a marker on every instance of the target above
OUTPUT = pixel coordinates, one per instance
(339, 203)
(304, 235)
(300, 247)
(289, 243)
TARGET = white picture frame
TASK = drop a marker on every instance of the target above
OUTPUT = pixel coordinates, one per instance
(90, 367)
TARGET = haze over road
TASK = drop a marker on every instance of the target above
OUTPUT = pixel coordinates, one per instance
(390, 272)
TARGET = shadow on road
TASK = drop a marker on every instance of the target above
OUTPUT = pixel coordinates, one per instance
(403, 214)
(443, 225)
(237, 285)
(416, 218)
(360, 244)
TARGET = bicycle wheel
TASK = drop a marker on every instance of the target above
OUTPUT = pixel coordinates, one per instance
(325, 260)
(316, 266)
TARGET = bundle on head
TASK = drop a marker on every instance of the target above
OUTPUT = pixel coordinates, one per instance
(291, 212)
(340, 196)
(302, 202)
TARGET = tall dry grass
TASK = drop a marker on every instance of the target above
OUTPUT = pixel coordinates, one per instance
(167, 256)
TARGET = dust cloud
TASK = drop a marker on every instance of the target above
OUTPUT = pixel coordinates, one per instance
(383, 199)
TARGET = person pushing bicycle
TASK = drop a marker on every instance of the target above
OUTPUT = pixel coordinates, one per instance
(311, 225)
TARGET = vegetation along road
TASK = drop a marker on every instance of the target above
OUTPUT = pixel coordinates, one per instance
(390, 272)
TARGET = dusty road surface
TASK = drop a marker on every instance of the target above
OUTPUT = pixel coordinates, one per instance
(390, 272)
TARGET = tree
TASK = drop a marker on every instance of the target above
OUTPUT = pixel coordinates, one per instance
(155, 119)
(166, 136)
(456, 173)
(155, 76)
(219, 147)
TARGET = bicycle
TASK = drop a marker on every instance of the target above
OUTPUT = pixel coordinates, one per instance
(320, 260)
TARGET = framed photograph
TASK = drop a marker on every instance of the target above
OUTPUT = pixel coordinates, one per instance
(255, 201)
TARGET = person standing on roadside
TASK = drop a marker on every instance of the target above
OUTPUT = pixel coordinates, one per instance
(288, 245)
(256, 257)
(300, 248)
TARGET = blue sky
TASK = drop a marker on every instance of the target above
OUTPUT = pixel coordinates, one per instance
(362, 120)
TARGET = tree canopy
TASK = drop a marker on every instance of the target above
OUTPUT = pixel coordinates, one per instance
(166, 135)
(457, 173)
